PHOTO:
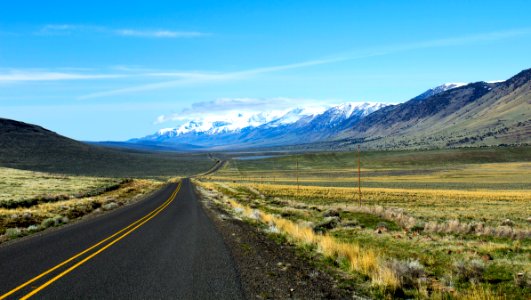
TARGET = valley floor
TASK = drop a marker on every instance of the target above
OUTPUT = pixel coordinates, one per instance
(456, 227)
(431, 224)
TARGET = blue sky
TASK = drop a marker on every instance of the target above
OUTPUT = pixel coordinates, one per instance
(107, 70)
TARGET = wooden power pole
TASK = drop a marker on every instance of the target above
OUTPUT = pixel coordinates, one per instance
(359, 172)
(297, 176)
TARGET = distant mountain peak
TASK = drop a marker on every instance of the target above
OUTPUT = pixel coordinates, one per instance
(346, 110)
(439, 89)
(452, 85)
(234, 124)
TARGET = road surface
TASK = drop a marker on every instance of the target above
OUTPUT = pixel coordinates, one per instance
(163, 247)
(218, 165)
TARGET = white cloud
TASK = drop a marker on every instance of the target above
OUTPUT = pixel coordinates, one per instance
(57, 27)
(67, 29)
(158, 33)
(185, 79)
(193, 78)
(232, 107)
(72, 73)
(18, 76)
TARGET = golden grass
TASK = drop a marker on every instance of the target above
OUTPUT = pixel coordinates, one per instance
(18, 185)
(509, 173)
(73, 208)
(481, 293)
(364, 261)
(423, 204)
(462, 211)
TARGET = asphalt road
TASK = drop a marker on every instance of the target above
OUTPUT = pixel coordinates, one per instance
(219, 164)
(173, 251)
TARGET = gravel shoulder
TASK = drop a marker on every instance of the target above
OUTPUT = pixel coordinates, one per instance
(272, 268)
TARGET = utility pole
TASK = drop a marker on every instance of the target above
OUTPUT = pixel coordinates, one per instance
(359, 172)
(297, 176)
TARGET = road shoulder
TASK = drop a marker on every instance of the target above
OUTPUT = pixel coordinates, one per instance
(270, 268)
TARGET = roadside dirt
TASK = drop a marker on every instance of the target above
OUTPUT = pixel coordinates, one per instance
(269, 269)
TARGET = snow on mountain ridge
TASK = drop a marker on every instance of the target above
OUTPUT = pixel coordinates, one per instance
(453, 85)
(234, 122)
(347, 110)
(440, 89)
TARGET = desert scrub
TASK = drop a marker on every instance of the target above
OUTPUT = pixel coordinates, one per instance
(423, 260)
(354, 258)
(458, 169)
(364, 261)
(27, 188)
(45, 215)
(490, 207)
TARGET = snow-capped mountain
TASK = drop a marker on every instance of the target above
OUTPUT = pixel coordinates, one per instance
(274, 126)
(278, 127)
(236, 122)
(439, 89)
(337, 127)
(337, 114)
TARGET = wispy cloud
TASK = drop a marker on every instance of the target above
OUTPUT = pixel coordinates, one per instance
(20, 76)
(248, 106)
(159, 33)
(70, 29)
(193, 78)
(71, 73)
(184, 79)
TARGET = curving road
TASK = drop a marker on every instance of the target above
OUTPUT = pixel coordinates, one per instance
(163, 247)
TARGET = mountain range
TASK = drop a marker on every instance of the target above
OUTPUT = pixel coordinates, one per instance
(263, 129)
(476, 114)
(453, 114)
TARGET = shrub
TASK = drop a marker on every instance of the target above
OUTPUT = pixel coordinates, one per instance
(326, 224)
(13, 232)
(522, 280)
(255, 214)
(331, 213)
(33, 228)
(109, 206)
(238, 210)
(504, 231)
(418, 227)
(507, 222)
(408, 272)
(272, 229)
(54, 221)
(49, 222)
(472, 271)
(350, 223)
(61, 220)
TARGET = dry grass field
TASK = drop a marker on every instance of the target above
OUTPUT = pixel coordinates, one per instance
(447, 229)
(18, 185)
(34, 201)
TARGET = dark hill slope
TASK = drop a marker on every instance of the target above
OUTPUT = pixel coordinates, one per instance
(473, 115)
(31, 147)
(393, 119)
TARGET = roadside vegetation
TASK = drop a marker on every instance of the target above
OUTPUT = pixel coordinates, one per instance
(33, 201)
(432, 224)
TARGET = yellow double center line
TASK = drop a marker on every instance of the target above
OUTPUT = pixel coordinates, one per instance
(116, 236)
